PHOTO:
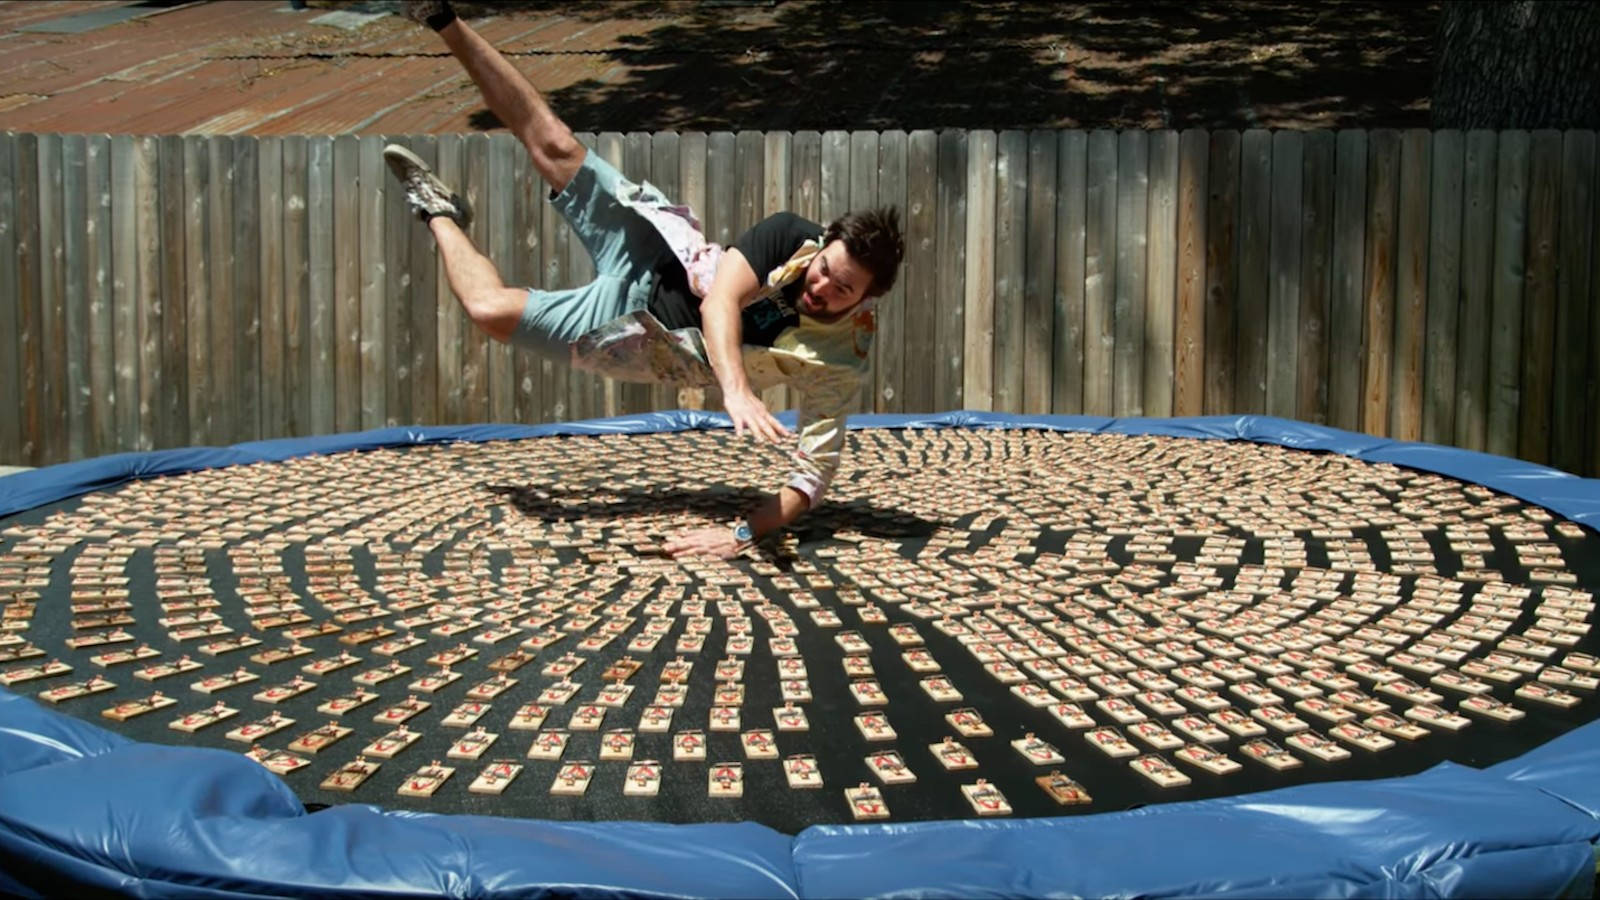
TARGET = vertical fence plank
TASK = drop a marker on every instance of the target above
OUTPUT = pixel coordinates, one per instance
(1283, 270)
(97, 343)
(75, 236)
(373, 343)
(1133, 210)
(52, 301)
(889, 346)
(1383, 189)
(921, 308)
(1477, 278)
(431, 300)
(443, 341)
(1411, 287)
(835, 176)
(196, 176)
(1592, 401)
(1252, 304)
(475, 344)
(1539, 296)
(401, 305)
(1345, 315)
(11, 357)
(1316, 277)
(1505, 310)
(1067, 305)
(320, 382)
(270, 183)
(977, 383)
(1190, 327)
(1010, 268)
(1568, 414)
(296, 288)
(665, 173)
(1161, 277)
(146, 186)
(693, 152)
(224, 265)
(1038, 289)
(864, 195)
(346, 383)
(1222, 270)
(248, 236)
(524, 271)
(613, 147)
(1444, 286)
(1100, 274)
(30, 304)
(172, 405)
(950, 325)
(502, 250)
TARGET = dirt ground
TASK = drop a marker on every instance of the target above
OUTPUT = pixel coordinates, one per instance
(804, 64)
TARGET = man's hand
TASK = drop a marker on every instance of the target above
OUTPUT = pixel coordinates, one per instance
(717, 543)
(750, 415)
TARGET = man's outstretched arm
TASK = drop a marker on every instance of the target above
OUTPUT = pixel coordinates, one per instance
(719, 322)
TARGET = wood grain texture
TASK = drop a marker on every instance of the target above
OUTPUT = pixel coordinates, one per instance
(11, 452)
(296, 288)
(1286, 245)
(223, 268)
(1383, 189)
(1010, 269)
(1569, 411)
(1189, 363)
(1505, 310)
(1446, 195)
(1161, 268)
(977, 375)
(196, 287)
(52, 300)
(1039, 281)
(1316, 277)
(30, 305)
(501, 218)
(147, 262)
(346, 286)
(270, 211)
(1539, 296)
(921, 307)
(1480, 166)
(321, 383)
(692, 155)
(1252, 304)
(1067, 344)
(75, 236)
(1411, 286)
(889, 370)
(951, 242)
(1128, 310)
(1100, 274)
(1222, 270)
(374, 347)
(1345, 317)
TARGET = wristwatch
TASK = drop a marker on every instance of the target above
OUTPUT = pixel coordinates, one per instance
(744, 534)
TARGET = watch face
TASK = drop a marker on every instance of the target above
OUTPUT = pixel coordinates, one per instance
(742, 532)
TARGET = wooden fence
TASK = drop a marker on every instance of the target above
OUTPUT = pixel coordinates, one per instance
(183, 290)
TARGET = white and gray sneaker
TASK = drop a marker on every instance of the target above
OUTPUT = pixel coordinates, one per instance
(424, 191)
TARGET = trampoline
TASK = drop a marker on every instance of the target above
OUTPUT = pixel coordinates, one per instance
(1008, 655)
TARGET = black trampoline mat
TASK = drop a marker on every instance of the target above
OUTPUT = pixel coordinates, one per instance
(1078, 565)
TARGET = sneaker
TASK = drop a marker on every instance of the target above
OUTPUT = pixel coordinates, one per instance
(424, 191)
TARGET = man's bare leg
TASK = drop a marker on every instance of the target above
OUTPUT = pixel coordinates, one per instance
(556, 154)
(491, 305)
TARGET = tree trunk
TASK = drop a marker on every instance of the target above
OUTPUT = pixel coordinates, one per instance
(1520, 64)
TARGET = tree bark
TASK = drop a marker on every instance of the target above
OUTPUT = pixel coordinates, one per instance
(1520, 64)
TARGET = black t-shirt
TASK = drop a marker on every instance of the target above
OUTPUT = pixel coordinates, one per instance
(766, 246)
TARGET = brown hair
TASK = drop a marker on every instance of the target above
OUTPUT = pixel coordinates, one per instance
(873, 239)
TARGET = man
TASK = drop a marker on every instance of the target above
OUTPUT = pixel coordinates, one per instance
(789, 302)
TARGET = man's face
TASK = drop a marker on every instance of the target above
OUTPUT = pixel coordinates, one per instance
(834, 283)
